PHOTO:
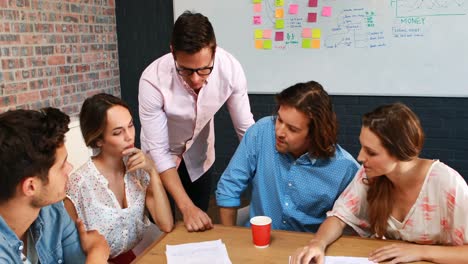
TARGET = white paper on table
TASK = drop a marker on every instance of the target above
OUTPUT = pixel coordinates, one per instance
(197, 253)
(345, 260)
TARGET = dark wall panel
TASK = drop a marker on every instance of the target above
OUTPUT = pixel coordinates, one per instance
(143, 29)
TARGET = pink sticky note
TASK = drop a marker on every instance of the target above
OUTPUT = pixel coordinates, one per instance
(312, 17)
(279, 36)
(306, 33)
(257, 8)
(313, 3)
(293, 8)
(267, 33)
(326, 11)
(257, 20)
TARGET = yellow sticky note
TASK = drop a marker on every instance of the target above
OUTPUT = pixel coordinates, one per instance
(267, 44)
(259, 44)
(258, 33)
(306, 43)
(257, 1)
(316, 33)
(316, 43)
(279, 2)
(279, 23)
(279, 13)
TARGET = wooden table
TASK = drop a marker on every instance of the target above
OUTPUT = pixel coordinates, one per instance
(239, 245)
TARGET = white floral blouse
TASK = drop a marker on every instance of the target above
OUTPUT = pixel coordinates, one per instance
(439, 215)
(99, 209)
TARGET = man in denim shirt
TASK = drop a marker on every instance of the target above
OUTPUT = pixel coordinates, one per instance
(34, 226)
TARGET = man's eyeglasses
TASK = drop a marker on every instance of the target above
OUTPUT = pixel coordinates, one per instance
(203, 71)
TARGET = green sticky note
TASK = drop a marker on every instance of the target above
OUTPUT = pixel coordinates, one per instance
(279, 2)
(257, 1)
(267, 44)
(279, 24)
(306, 43)
(316, 33)
(258, 33)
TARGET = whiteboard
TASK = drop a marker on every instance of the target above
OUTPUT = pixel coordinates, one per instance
(357, 47)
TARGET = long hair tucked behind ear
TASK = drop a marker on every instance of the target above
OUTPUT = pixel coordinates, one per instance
(311, 99)
(401, 134)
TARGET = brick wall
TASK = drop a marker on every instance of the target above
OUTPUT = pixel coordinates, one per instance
(56, 53)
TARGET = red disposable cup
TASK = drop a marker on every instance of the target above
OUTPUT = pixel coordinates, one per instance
(261, 227)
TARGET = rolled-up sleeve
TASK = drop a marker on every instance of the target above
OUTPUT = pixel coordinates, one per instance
(239, 172)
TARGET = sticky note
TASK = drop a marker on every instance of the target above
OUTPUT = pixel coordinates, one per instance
(312, 17)
(257, 20)
(326, 11)
(313, 3)
(258, 33)
(306, 33)
(257, 1)
(257, 8)
(306, 43)
(279, 24)
(279, 13)
(259, 44)
(315, 44)
(279, 2)
(267, 44)
(293, 9)
(279, 36)
(267, 33)
(316, 33)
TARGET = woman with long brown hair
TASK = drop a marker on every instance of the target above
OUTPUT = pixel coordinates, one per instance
(398, 195)
(117, 189)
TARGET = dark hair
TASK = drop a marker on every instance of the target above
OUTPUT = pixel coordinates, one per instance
(401, 134)
(311, 99)
(28, 143)
(93, 116)
(192, 32)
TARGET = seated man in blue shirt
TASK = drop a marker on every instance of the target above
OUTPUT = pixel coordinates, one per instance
(296, 168)
(34, 225)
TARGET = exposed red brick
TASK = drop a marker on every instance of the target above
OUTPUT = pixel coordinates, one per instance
(56, 60)
(15, 88)
(56, 53)
(28, 97)
(31, 39)
(104, 74)
(3, 3)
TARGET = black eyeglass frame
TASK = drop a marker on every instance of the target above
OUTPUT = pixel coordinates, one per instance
(180, 70)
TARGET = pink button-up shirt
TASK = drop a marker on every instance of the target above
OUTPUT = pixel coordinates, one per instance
(177, 123)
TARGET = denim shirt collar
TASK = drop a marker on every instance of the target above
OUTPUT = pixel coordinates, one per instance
(12, 239)
(9, 236)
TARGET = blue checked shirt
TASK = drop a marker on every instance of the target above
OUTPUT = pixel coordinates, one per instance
(295, 193)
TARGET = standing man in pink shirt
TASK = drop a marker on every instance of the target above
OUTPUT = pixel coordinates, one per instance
(179, 94)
